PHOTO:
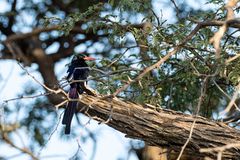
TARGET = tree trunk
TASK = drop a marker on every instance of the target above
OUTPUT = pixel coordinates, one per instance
(162, 127)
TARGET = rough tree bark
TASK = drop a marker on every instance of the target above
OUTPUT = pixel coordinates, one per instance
(162, 127)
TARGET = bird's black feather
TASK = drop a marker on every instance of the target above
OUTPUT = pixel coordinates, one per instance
(78, 70)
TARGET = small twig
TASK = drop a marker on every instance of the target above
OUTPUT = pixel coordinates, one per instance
(51, 134)
(203, 91)
(146, 70)
(109, 117)
(220, 150)
(219, 156)
(61, 104)
(97, 118)
(157, 18)
(79, 149)
(105, 74)
(188, 140)
(20, 138)
(229, 36)
(23, 150)
(196, 71)
(128, 48)
(43, 85)
(26, 97)
(176, 7)
(2, 117)
(233, 99)
(235, 105)
(232, 59)
(219, 34)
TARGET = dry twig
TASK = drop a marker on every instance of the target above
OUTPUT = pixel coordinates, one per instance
(202, 94)
(216, 39)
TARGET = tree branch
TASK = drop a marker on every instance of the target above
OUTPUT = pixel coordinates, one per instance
(162, 127)
(23, 150)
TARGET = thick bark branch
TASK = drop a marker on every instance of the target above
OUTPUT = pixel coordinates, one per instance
(162, 127)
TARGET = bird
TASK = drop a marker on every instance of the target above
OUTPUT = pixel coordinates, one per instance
(77, 70)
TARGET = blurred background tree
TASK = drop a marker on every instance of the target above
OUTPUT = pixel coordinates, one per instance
(125, 36)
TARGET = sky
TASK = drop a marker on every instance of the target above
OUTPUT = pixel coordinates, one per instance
(111, 144)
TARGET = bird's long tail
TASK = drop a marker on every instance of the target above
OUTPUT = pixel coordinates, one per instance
(71, 108)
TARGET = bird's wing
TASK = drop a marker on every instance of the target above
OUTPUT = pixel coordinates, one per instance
(70, 70)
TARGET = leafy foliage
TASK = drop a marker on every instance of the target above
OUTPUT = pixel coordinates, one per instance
(175, 84)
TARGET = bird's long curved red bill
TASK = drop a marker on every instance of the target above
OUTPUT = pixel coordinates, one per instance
(89, 58)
